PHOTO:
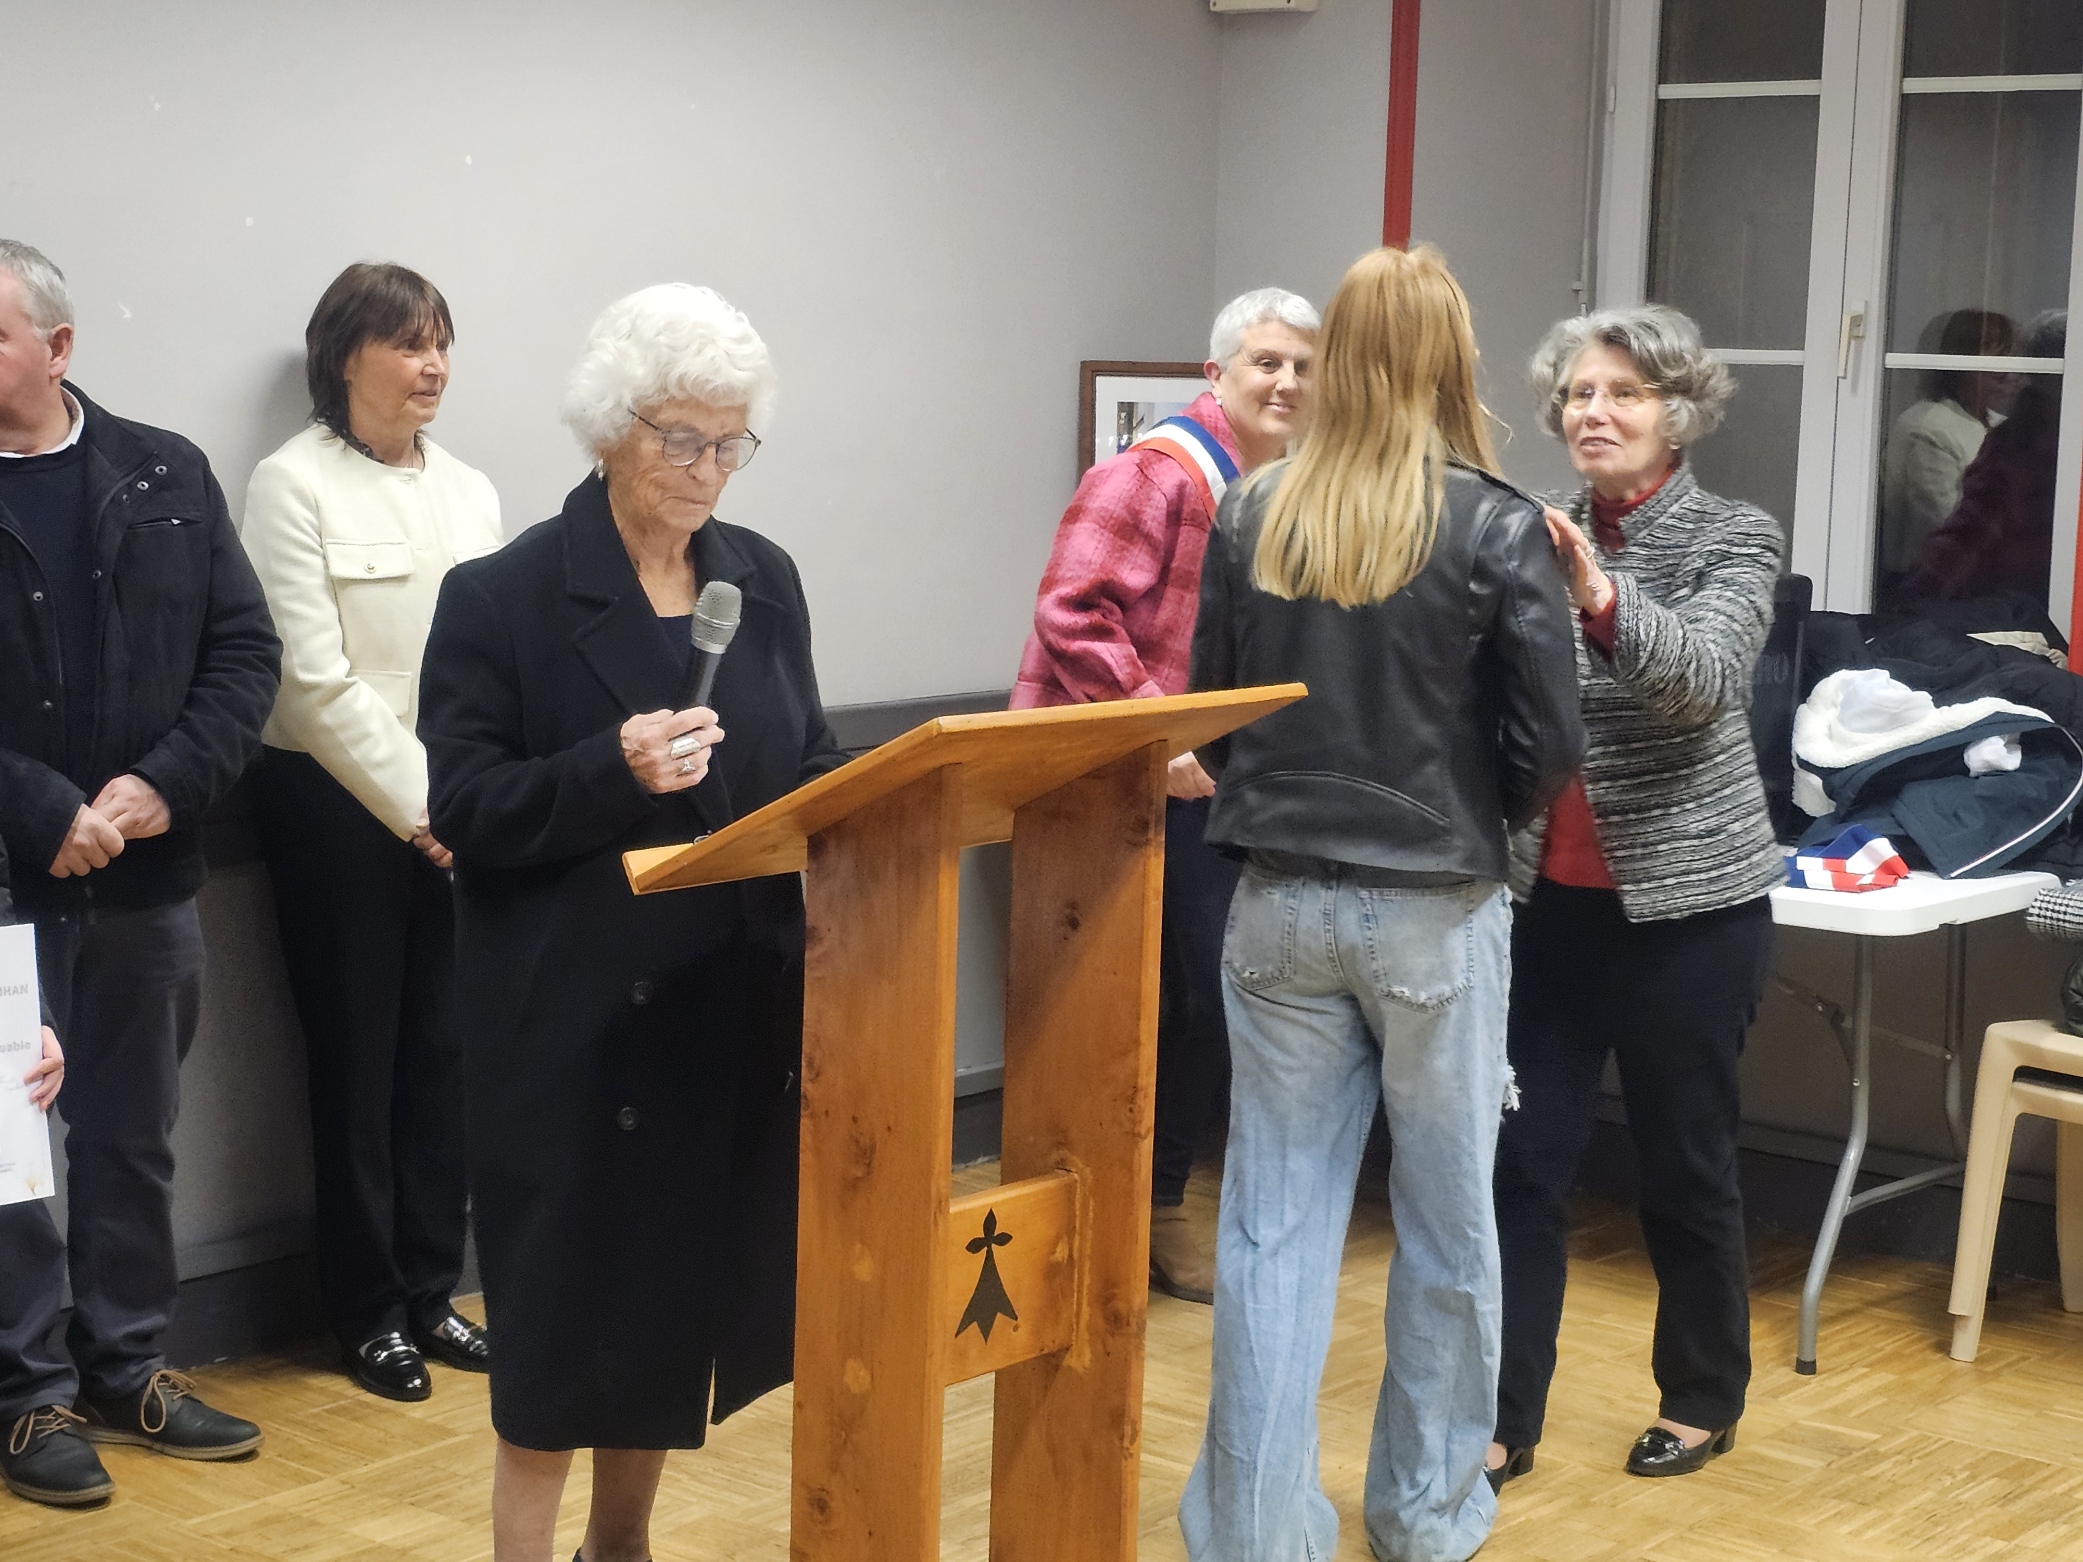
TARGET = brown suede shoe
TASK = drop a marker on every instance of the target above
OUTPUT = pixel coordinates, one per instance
(1178, 1267)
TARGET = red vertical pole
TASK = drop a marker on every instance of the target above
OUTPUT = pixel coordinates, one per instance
(1403, 123)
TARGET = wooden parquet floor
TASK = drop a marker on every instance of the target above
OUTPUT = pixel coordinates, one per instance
(1893, 1452)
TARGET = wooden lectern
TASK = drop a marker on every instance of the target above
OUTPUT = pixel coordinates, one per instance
(1043, 1279)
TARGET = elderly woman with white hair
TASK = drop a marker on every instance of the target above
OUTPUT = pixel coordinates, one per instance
(630, 1062)
(1644, 932)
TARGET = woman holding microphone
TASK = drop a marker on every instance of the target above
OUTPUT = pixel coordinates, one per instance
(351, 526)
(633, 1059)
(1419, 598)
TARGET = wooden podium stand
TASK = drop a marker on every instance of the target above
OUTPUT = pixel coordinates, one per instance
(1044, 1279)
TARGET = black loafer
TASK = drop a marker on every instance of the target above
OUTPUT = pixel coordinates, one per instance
(1661, 1452)
(166, 1417)
(390, 1367)
(1517, 1461)
(456, 1342)
(45, 1459)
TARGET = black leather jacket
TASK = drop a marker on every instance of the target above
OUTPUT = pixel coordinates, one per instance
(1434, 720)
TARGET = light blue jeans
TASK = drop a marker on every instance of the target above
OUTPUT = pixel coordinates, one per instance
(1338, 993)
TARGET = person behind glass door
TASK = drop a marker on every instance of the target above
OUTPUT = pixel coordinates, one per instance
(632, 1060)
(1418, 597)
(1935, 437)
(1113, 620)
(351, 525)
(1644, 931)
(1999, 540)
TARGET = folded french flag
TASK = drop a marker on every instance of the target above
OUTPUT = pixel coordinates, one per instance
(1856, 860)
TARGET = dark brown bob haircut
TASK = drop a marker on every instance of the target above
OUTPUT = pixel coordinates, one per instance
(371, 301)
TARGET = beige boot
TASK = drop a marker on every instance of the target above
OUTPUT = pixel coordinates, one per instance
(1178, 1267)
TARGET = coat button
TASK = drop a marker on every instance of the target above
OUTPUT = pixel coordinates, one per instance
(640, 993)
(47, 705)
(626, 1119)
(159, 470)
(142, 485)
(36, 596)
(370, 567)
(95, 576)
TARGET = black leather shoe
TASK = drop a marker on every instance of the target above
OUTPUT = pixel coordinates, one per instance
(46, 1460)
(456, 1342)
(1517, 1461)
(1661, 1452)
(389, 1366)
(166, 1417)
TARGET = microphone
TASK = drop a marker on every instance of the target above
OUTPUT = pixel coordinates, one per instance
(716, 614)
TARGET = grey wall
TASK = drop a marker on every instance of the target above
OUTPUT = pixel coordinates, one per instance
(1302, 139)
(1499, 184)
(932, 209)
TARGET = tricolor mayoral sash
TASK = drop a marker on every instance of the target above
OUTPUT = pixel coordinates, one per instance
(1199, 452)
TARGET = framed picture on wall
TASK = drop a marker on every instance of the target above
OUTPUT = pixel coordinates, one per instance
(1119, 402)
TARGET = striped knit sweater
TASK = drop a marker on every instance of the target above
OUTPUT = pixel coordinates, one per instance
(1670, 771)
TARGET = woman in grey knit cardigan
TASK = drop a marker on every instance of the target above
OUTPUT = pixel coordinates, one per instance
(1643, 932)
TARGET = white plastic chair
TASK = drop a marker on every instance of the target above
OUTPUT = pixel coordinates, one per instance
(2000, 1097)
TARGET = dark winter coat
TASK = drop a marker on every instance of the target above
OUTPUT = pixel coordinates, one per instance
(630, 1061)
(189, 664)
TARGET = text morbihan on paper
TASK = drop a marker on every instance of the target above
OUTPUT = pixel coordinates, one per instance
(25, 1134)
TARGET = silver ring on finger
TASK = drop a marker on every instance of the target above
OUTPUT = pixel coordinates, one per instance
(685, 744)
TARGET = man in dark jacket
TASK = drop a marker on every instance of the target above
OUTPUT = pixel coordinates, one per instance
(140, 665)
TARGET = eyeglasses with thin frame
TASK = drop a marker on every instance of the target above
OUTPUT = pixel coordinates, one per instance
(685, 447)
(1624, 397)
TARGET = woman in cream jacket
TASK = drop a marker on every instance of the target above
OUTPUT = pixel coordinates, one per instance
(351, 525)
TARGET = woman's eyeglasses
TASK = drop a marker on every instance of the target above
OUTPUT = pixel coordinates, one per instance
(684, 446)
(1625, 396)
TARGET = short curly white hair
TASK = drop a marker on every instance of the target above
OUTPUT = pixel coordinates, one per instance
(660, 344)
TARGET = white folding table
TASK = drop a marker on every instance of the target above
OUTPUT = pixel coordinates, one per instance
(1922, 903)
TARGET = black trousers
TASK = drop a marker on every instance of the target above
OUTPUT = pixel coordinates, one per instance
(1193, 1040)
(1672, 1003)
(368, 933)
(125, 989)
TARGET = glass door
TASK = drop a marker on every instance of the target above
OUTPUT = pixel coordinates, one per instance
(1732, 219)
(1871, 207)
(1727, 164)
(1962, 413)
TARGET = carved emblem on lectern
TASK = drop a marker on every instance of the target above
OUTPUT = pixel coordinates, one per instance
(988, 1302)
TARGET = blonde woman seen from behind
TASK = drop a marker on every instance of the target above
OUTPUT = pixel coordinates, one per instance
(1419, 598)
